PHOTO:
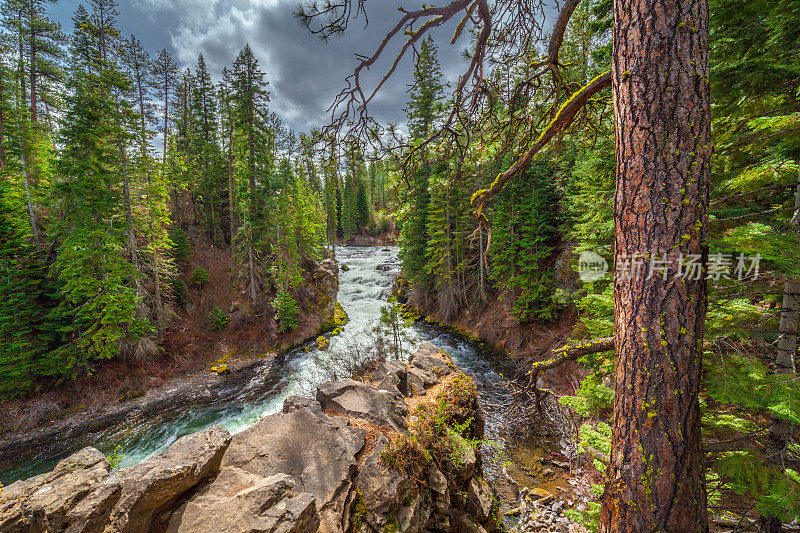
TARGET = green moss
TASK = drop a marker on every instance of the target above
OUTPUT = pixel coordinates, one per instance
(392, 524)
(322, 343)
(358, 512)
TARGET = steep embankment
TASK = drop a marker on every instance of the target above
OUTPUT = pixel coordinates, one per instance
(119, 391)
(360, 457)
(495, 325)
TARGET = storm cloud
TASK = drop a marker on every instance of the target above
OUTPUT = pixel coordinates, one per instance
(304, 73)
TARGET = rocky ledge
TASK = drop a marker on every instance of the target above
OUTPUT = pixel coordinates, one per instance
(396, 453)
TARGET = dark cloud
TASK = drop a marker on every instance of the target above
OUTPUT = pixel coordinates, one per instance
(304, 73)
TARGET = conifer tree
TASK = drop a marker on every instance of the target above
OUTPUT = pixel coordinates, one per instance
(254, 146)
(204, 152)
(523, 231)
(166, 74)
(423, 109)
(97, 314)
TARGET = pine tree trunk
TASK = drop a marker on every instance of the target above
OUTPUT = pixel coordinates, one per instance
(655, 479)
(34, 105)
(2, 118)
(231, 194)
(166, 121)
(780, 430)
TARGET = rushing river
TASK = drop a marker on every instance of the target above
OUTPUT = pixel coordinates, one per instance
(363, 292)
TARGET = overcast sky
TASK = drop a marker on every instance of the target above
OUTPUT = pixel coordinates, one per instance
(304, 73)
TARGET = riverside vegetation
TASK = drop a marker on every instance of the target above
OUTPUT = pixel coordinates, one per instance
(638, 130)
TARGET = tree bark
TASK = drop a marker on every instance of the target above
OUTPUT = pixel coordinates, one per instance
(780, 429)
(34, 98)
(655, 477)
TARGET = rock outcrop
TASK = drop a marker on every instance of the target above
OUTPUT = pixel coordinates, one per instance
(80, 495)
(241, 502)
(319, 465)
(326, 279)
(317, 451)
(354, 399)
(43, 502)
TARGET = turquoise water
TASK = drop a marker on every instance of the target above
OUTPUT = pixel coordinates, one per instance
(363, 292)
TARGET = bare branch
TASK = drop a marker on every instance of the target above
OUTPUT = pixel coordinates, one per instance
(563, 119)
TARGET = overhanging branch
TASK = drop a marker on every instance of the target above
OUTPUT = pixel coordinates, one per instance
(563, 119)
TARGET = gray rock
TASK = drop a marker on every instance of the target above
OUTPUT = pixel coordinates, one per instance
(92, 514)
(427, 379)
(432, 360)
(468, 526)
(480, 501)
(318, 451)
(241, 502)
(294, 403)
(436, 480)
(42, 503)
(153, 485)
(411, 517)
(357, 400)
(383, 490)
(389, 368)
(390, 383)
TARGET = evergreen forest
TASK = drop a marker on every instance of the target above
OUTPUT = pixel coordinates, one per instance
(605, 195)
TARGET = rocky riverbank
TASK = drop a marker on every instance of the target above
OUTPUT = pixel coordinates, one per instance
(397, 453)
(221, 380)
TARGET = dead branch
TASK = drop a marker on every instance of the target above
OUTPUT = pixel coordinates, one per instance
(570, 352)
(563, 119)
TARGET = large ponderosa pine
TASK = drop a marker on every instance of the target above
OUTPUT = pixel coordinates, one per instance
(656, 479)
(254, 143)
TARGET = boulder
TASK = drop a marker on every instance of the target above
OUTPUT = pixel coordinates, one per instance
(92, 513)
(389, 368)
(42, 503)
(294, 403)
(390, 383)
(481, 502)
(436, 480)
(469, 526)
(317, 451)
(431, 359)
(241, 502)
(358, 400)
(153, 485)
(384, 491)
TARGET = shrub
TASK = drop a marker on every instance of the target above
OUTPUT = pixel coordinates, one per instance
(198, 278)
(115, 457)
(287, 313)
(180, 245)
(181, 292)
(443, 433)
(218, 318)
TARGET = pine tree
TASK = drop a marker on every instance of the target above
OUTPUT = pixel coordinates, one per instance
(255, 160)
(204, 152)
(166, 73)
(21, 343)
(523, 232)
(97, 314)
(423, 109)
